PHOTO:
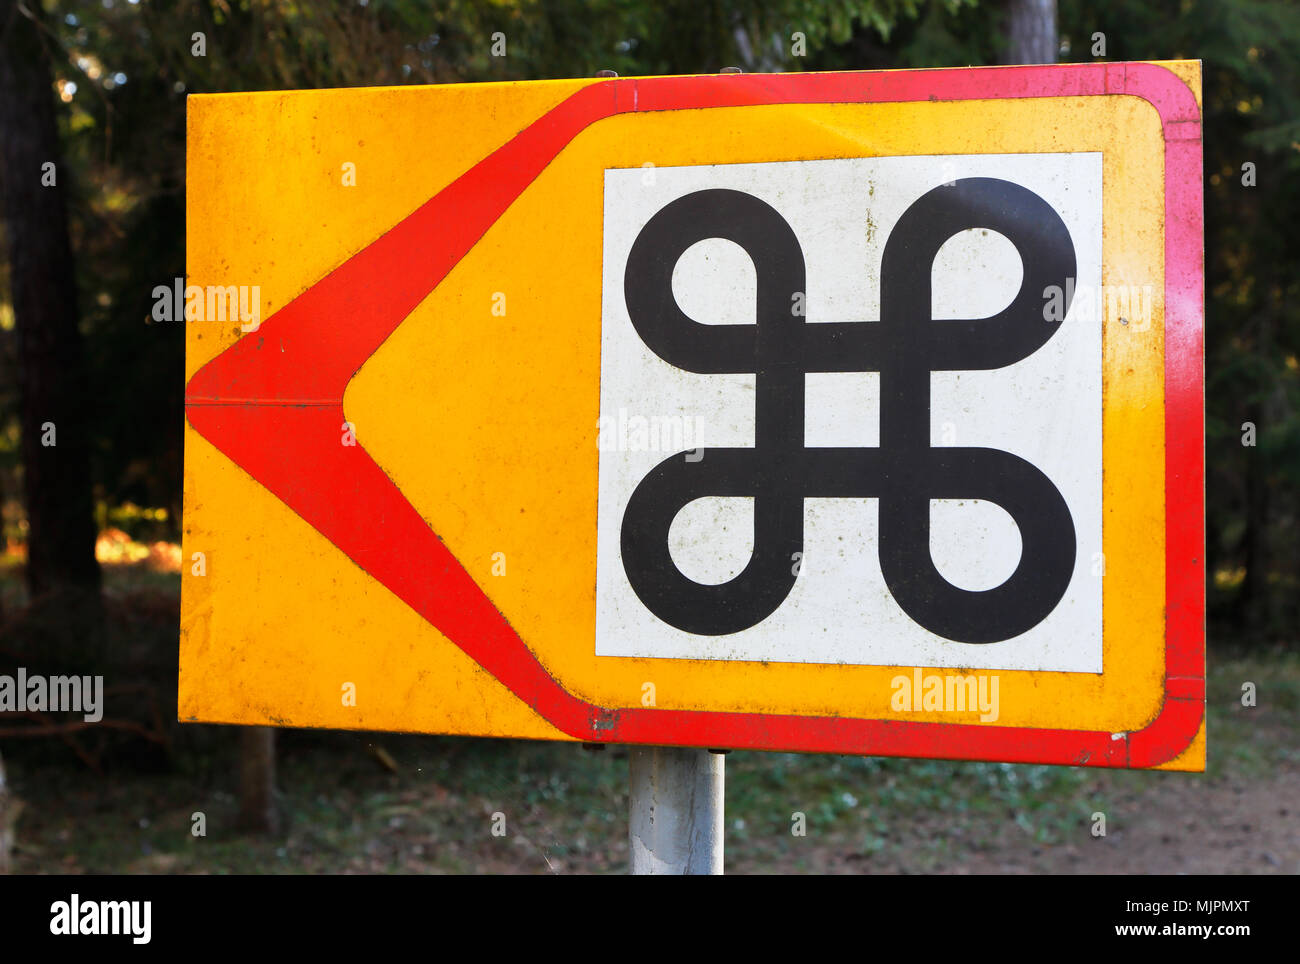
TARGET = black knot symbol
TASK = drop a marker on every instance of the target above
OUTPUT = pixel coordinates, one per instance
(905, 472)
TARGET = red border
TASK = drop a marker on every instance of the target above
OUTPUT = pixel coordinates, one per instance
(273, 403)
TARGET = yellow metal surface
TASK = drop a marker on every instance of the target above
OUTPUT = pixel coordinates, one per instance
(488, 423)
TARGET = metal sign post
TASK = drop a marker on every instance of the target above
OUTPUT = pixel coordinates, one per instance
(675, 810)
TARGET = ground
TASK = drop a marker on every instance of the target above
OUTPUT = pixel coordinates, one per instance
(358, 803)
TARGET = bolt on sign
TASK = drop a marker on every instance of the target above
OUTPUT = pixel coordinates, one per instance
(847, 412)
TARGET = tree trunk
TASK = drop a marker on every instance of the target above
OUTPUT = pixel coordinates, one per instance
(1031, 32)
(257, 806)
(55, 402)
(9, 807)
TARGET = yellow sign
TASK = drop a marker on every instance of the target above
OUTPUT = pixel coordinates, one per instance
(853, 412)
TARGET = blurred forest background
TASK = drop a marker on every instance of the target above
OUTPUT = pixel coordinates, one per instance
(89, 552)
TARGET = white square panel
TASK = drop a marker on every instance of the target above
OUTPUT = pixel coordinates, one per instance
(1045, 409)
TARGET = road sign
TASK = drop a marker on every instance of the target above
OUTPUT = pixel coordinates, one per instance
(850, 412)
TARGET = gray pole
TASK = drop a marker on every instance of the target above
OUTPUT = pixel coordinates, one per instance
(676, 809)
